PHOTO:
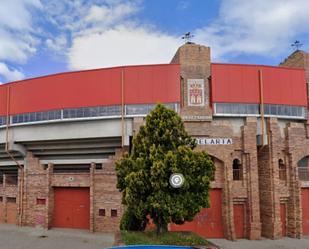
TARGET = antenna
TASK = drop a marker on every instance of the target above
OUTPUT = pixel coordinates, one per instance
(297, 45)
(187, 37)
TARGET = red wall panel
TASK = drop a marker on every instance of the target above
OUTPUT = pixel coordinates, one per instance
(3, 101)
(232, 83)
(152, 84)
(142, 84)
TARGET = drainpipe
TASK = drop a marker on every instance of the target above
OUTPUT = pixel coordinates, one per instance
(261, 88)
(11, 156)
(261, 104)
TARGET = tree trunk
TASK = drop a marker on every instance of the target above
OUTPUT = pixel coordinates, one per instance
(161, 227)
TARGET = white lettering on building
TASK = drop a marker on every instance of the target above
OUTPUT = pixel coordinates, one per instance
(213, 141)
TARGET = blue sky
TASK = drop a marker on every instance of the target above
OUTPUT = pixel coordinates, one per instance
(40, 37)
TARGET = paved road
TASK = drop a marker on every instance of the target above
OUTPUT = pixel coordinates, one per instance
(12, 237)
(286, 243)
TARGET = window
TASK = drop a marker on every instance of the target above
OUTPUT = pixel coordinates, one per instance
(11, 179)
(84, 112)
(102, 212)
(40, 201)
(11, 199)
(242, 109)
(235, 108)
(98, 166)
(303, 169)
(113, 212)
(71, 168)
(36, 116)
(282, 170)
(2, 121)
(144, 109)
(237, 170)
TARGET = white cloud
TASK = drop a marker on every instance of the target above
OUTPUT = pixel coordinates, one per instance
(15, 14)
(10, 74)
(18, 40)
(121, 46)
(260, 27)
(106, 33)
(110, 15)
(57, 44)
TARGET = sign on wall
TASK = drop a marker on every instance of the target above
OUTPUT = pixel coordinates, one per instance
(213, 141)
(196, 92)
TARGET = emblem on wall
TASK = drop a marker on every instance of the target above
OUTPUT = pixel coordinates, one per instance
(196, 92)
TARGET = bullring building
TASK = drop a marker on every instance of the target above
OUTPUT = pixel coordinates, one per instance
(61, 134)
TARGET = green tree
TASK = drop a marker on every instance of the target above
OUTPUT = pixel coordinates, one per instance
(163, 147)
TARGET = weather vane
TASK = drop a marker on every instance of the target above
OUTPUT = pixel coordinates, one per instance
(187, 37)
(297, 45)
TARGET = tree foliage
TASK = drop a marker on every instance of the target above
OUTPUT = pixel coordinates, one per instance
(163, 147)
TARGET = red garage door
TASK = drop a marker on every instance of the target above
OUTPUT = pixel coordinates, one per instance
(71, 208)
(207, 223)
(283, 218)
(239, 220)
(305, 206)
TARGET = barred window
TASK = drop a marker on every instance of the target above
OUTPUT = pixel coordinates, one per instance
(282, 170)
(303, 169)
(237, 170)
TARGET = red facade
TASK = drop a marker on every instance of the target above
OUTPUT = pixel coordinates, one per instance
(232, 83)
(101, 87)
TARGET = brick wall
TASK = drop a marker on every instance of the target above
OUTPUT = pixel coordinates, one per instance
(39, 182)
(106, 197)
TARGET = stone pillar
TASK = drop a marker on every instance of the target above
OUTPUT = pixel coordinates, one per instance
(4, 199)
(20, 193)
(92, 208)
(227, 205)
(50, 196)
(275, 146)
(253, 207)
(294, 210)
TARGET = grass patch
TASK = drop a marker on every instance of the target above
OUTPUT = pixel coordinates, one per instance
(169, 238)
